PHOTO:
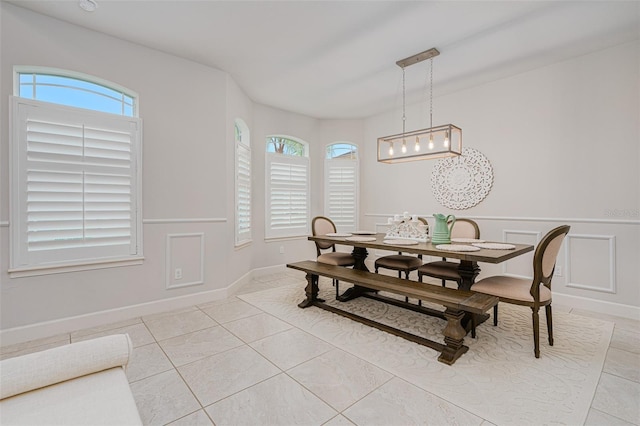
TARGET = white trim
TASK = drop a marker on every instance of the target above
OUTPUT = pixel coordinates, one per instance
(184, 220)
(74, 267)
(505, 232)
(612, 262)
(532, 219)
(168, 281)
(67, 325)
(4, 224)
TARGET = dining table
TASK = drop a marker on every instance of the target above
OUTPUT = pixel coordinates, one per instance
(468, 267)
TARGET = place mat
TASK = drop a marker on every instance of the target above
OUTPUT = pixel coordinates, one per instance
(364, 233)
(491, 380)
(466, 240)
(361, 239)
(338, 234)
(495, 246)
(401, 242)
(457, 247)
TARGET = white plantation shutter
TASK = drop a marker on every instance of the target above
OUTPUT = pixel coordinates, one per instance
(341, 193)
(76, 184)
(243, 194)
(287, 195)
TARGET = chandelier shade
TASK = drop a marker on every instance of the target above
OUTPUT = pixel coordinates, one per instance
(434, 142)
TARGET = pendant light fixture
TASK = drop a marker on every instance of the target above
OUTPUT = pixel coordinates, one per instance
(434, 142)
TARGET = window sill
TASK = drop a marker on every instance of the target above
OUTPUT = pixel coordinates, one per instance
(73, 267)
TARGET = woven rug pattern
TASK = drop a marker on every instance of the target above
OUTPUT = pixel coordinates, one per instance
(498, 379)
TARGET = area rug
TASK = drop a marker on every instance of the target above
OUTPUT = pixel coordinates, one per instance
(498, 379)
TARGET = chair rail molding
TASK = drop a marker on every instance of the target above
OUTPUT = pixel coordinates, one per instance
(531, 219)
(184, 220)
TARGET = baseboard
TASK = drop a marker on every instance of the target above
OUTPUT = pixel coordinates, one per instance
(599, 306)
(67, 325)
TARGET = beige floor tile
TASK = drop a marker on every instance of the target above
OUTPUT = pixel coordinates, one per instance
(172, 313)
(598, 418)
(76, 335)
(32, 349)
(180, 323)
(45, 343)
(625, 339)
(339, 378)
(218, 376)
(621, 322)
(623, 364)
(138, 333)
(200, 344)
(147, 361)
(290, 348)
(256, 327)
(231, 311)
(277, 401)
(400, 403)
(618, 397)
(199, 418)
(163, 398)
(339, 420)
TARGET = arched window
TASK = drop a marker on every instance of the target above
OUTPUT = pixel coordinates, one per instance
(242, 182)
(341, 173)
(287, 187)
(77, 175)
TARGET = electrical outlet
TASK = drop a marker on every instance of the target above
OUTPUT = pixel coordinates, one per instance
(177, 274)
(558, 271)
(281, 249)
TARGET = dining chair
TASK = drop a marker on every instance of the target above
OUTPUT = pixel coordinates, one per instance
(533, 293)
(400, 262)
(446, 270)
(321, 225)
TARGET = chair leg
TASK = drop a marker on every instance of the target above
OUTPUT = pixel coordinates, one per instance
(549, 324)
(473, 326)
(420, 277)
(495, 315)
(536, 332)
(337, 289)
(444, 283)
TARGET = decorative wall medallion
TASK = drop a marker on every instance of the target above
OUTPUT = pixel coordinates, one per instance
(462, 182)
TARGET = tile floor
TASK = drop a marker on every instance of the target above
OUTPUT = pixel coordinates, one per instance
(228, 363)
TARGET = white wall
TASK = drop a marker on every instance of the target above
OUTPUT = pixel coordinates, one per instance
(564, 143)
(185, 179)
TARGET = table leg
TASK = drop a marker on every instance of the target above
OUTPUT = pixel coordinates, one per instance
(359, 254)
(453, 337)
(468, 270)
(311, 291)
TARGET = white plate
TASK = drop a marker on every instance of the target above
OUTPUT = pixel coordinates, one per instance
(338, 234)
(456, 247)
(364, 233)
(495, 246)
(466, 240)
(401, 242)
(361, 239)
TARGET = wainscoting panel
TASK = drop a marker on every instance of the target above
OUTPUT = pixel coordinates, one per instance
(521, 266)
(598, 275)
(185, 260)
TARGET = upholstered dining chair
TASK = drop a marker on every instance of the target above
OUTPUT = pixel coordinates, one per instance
(533, 293)
(400, 262)
(321, 225)
(446, 270)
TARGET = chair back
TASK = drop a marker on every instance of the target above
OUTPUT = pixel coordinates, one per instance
(544, 259)
(465, 228)
(321, 225)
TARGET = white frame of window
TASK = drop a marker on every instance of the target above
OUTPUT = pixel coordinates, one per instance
(26, 263)
(293, 161)
(353, 164)
(242, 150)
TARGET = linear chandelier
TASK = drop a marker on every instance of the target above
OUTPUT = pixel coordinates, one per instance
(434, 142)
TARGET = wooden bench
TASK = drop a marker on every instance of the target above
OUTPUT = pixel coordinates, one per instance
(457, 303)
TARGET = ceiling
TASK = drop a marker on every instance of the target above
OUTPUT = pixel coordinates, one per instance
(336, 59)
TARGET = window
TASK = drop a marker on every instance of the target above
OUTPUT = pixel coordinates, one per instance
(287, 187)
(76, 178)
(341, 186)
(243, 182)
